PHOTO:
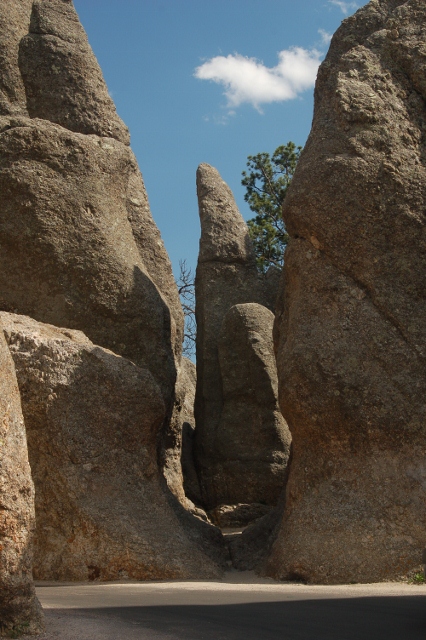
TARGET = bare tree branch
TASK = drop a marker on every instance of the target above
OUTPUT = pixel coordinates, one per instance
(186, 289)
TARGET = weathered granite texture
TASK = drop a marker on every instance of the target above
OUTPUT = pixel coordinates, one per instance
(235, 516)
(226, 275)
(62, 78)
(79, 249)
(78, 246)
(250, 550)
(191, 483)
(19, 607)
(14, 23)
(351, 331)
(93, 421)
(177, 450)
(252, 438)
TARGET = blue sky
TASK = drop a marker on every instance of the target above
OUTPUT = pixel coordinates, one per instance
(208, 81)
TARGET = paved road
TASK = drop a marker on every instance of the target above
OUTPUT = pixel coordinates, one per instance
(233, 610)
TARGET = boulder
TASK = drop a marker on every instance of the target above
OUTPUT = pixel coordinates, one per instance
(226, 275)
(236, 516)
(19, 608)
(78, 244)
(350, 332)
(93, 424)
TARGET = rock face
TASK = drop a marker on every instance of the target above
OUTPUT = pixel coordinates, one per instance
(78, 245)
(79, 249)
(252, 438)
(93, 421)
(19, 608)
(238, 515)
(14, 22)
(178, 463)
(62, 78)
(351, 331)
(226, 275)
(250, 550)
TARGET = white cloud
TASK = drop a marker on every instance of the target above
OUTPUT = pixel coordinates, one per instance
(247, 80)
(325, 36)
(220, 119)
(345, 6)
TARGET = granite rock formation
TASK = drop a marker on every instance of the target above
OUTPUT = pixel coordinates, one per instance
(252, 438)
(79, 249)
(226, 275)
(78, 246)
(63, 81)
(351, 330)
(178, 461)
(250, 550)
(14, 21)
(191, 483)
(93, 421)
(19, 608)
(235, 516)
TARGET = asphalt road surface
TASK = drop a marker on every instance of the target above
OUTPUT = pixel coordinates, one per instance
(241, 607)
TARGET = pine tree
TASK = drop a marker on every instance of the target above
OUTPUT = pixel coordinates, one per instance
(266, 182)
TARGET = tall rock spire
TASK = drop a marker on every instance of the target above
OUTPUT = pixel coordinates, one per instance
(226, 275)
(79, 250)
(63, 81)
(78, 245)
(224, 234)
(351, 332)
